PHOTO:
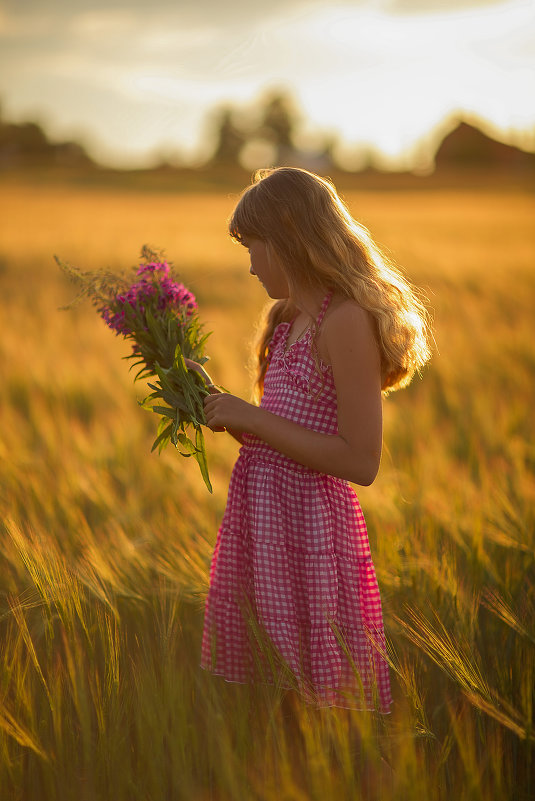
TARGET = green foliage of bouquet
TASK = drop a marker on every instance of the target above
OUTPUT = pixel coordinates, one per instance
(159, 316)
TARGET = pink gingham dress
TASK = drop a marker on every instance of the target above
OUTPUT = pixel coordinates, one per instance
(293, 595)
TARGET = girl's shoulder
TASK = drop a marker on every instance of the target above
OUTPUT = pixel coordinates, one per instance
(343, 313)
(346, 324)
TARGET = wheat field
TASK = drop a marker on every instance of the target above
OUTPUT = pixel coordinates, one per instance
(105, 547)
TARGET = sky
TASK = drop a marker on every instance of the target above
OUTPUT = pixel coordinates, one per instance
(135, 81)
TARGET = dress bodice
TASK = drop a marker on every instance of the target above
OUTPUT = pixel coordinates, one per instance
(297, 384)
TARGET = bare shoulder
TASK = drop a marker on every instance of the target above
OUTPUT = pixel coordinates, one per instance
(346, 315)
(347, 328)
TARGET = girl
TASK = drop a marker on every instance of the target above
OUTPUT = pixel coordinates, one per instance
(293, 595)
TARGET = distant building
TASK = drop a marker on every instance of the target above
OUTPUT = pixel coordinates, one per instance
(468, 146)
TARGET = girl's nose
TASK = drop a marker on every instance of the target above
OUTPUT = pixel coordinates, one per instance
(252, 272)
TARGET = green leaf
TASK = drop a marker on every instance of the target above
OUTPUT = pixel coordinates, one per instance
(156, 332)
(179, 361)
(146, 403)
(165, 411)
(174, 400)
(200, 347)
(162, 440)
(145, 372)
(200, 456)
(186, 443)
(162, 425)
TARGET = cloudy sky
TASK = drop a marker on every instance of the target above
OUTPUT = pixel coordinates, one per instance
(132, 78)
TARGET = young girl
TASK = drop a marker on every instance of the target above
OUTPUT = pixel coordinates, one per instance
(293, 595)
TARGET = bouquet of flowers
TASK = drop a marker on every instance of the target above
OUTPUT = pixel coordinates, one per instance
(159, 316)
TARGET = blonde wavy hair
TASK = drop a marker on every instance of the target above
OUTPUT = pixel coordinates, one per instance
(309, 229)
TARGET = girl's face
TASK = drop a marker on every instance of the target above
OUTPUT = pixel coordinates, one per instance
(267, 269)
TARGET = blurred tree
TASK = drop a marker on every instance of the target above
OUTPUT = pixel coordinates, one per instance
(230, 137)
(272, 125)
(27, 144)
(279, 121)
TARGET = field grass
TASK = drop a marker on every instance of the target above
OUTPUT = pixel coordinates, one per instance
(105, 548)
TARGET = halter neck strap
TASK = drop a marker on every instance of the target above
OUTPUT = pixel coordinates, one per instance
(324, 307)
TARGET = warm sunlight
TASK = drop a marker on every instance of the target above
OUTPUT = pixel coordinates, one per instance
(267, 499)
(379, 76)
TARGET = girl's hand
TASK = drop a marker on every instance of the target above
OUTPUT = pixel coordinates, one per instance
(225, 411)
(196, 367)
(213, 390)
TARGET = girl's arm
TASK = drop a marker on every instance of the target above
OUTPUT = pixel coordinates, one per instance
(354, 453)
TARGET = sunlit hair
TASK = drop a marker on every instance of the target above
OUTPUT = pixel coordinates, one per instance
(310, 231)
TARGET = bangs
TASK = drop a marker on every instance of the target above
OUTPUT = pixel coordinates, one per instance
(244, 223)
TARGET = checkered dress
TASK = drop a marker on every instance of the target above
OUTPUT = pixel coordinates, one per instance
(293, 595)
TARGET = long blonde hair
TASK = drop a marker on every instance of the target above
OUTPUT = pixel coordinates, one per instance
(319, 245)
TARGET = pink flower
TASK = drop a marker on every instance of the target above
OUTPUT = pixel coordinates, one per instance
(154, 291)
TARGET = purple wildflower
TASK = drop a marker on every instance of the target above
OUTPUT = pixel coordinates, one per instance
(155, 291)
